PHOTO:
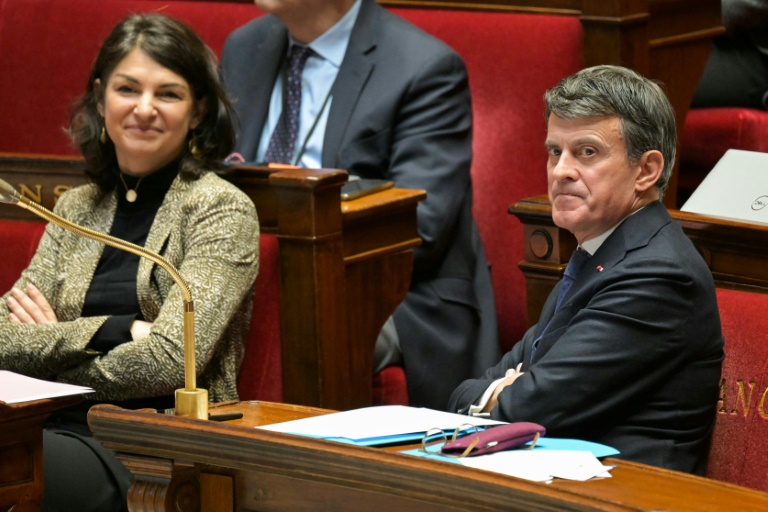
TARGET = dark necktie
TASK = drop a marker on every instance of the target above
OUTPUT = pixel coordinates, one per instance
(282, 144)
(578, 259)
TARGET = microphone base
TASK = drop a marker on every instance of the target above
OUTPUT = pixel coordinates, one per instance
(192, 404)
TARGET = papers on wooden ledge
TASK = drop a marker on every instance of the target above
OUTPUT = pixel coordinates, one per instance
(15, 388)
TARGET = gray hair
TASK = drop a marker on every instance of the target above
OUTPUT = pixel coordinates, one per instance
(647, 120)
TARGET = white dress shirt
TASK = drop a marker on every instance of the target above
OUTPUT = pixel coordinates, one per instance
(316, 81)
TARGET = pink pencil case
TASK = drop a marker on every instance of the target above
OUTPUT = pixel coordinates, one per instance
(495, 439)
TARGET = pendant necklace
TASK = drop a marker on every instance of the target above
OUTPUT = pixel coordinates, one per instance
(130, 193)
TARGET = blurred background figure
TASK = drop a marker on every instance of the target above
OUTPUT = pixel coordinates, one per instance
(736, 74)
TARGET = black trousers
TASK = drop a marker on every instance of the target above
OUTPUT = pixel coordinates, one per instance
(81, 475)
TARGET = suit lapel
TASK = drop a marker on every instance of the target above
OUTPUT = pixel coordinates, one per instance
(261, 77)
(165, 221)
(635, 232)
(353, 74)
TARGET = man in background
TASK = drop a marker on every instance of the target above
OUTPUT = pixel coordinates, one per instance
(736, 74)
(345, 84)
(628, 348)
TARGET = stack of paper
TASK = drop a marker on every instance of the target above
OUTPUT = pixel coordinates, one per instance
(541, 465)
(15, 388)
(374, 426)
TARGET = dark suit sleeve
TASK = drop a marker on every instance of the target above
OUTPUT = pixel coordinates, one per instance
(638, 329)
(470, 391)
(432, 150)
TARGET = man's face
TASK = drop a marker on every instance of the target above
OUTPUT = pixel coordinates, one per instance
(592, 186)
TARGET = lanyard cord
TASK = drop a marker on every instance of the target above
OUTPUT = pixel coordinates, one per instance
(300, 153)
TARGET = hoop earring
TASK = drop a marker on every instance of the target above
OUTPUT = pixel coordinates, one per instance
(193, 147)
(103, 137)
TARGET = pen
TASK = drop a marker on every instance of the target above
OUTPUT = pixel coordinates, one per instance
(225, 416)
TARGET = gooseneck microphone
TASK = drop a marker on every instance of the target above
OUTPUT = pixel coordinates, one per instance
(191, 402)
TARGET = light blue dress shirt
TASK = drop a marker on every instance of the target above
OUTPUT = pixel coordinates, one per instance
(316, 81)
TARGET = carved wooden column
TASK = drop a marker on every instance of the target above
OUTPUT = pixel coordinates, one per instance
(547, 249)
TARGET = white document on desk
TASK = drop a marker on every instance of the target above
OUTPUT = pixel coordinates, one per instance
(15, 388)
(541, 465)
(372, 426)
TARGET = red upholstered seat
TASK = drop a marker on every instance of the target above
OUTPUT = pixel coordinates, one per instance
(511, 59)
(709, 132)
(261, 374)
(738, 453)
(18, 243)
(43, 75)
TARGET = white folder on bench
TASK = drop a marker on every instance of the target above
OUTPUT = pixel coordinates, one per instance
(736, 188)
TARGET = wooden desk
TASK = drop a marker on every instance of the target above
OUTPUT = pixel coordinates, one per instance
(332, 254)
(189, 465)
(734, 251)
(21, 451)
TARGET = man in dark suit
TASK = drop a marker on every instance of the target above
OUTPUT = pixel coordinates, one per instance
(630, 357)
(382, 99)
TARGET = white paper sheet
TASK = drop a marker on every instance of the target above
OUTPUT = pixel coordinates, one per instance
(377, 423)
(15, 388)
(540, 465)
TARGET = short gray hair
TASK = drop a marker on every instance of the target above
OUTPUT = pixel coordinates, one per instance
(647, 119)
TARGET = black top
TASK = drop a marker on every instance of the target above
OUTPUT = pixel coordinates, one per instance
(113, 288)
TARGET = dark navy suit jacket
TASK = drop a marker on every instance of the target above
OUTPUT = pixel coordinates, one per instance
(401, 111)
(632, 358)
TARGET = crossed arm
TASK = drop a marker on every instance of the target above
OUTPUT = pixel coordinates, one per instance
(30, 307)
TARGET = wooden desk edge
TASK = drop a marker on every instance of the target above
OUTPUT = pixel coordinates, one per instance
(239, 446)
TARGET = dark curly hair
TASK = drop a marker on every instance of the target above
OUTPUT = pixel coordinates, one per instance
(173, 45)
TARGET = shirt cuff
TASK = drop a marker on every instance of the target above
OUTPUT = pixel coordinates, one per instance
(475, 410)
(112, 333)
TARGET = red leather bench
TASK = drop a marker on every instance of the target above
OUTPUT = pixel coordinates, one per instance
(709, 132)
(737, 454)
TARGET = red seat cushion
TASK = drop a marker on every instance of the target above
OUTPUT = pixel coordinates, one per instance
(19, 243)
(43, 75)
(738, 454)
(511, 59)
(709, 132)
(261, 373)
(390, 387)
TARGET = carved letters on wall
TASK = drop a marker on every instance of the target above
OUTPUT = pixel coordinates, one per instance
(35, 192)
(743, 398)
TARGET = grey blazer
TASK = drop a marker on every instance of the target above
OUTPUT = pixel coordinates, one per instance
(207, 229)
(401, 111)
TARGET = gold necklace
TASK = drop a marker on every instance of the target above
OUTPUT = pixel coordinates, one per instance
(130, 193)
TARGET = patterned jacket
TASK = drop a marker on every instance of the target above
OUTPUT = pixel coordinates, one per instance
(207, 229)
